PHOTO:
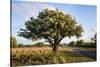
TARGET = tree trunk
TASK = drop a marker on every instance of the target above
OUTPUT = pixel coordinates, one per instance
(55, 48)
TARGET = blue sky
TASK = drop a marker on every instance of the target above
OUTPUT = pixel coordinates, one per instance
(23, 10)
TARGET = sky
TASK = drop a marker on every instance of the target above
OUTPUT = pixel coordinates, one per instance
(22, 10)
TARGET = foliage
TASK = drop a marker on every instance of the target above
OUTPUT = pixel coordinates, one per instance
(90, 44)
(80, 43)
(29, 45)
(94, 38)
(53, 26)
(38, 56)
(20, 45)
(72, 43)
(39, 44)
(13, 43)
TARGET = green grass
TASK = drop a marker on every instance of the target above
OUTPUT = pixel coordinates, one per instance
(72, 57)
(23, 58)
(86, 49)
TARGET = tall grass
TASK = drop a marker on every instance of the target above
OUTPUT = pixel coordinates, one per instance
(44, 55)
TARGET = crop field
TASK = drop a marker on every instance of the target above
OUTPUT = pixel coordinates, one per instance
(44, 55)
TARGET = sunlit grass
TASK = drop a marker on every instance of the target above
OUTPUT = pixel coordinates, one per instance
(44, 55)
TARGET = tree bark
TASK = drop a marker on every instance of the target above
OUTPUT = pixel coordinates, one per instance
(55, 48)
(55, 43)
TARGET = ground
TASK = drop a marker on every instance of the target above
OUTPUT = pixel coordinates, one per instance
(44, 55)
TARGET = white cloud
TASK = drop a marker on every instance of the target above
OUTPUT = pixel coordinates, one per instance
(28, 9)
(67, 40)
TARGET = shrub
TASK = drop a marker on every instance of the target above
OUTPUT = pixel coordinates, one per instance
(20, 45)
(71, 44)
(81, 43)
(39, 44)
(13, 43)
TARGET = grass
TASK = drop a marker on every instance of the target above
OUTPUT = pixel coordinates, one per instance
(86, 49)
(44, 55)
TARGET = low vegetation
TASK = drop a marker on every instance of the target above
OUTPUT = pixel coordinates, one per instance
(81, 43)
(44, 55)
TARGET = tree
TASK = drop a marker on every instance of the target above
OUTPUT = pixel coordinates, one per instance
(53, 26)
(94, 38)
(72, 43)
(39, 44)
(13, 42)
(20, 45)
(80, 43)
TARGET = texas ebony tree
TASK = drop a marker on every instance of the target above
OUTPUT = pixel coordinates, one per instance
(53, 26)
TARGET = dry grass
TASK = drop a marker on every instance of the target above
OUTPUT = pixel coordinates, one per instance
(37, 49)
(44, 55)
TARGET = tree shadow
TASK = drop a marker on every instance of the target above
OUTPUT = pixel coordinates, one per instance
(89, 53)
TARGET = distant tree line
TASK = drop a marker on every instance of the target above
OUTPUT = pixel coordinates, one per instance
(13, 44)
(81, 43)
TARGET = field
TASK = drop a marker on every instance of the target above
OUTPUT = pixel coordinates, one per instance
(44, 55)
